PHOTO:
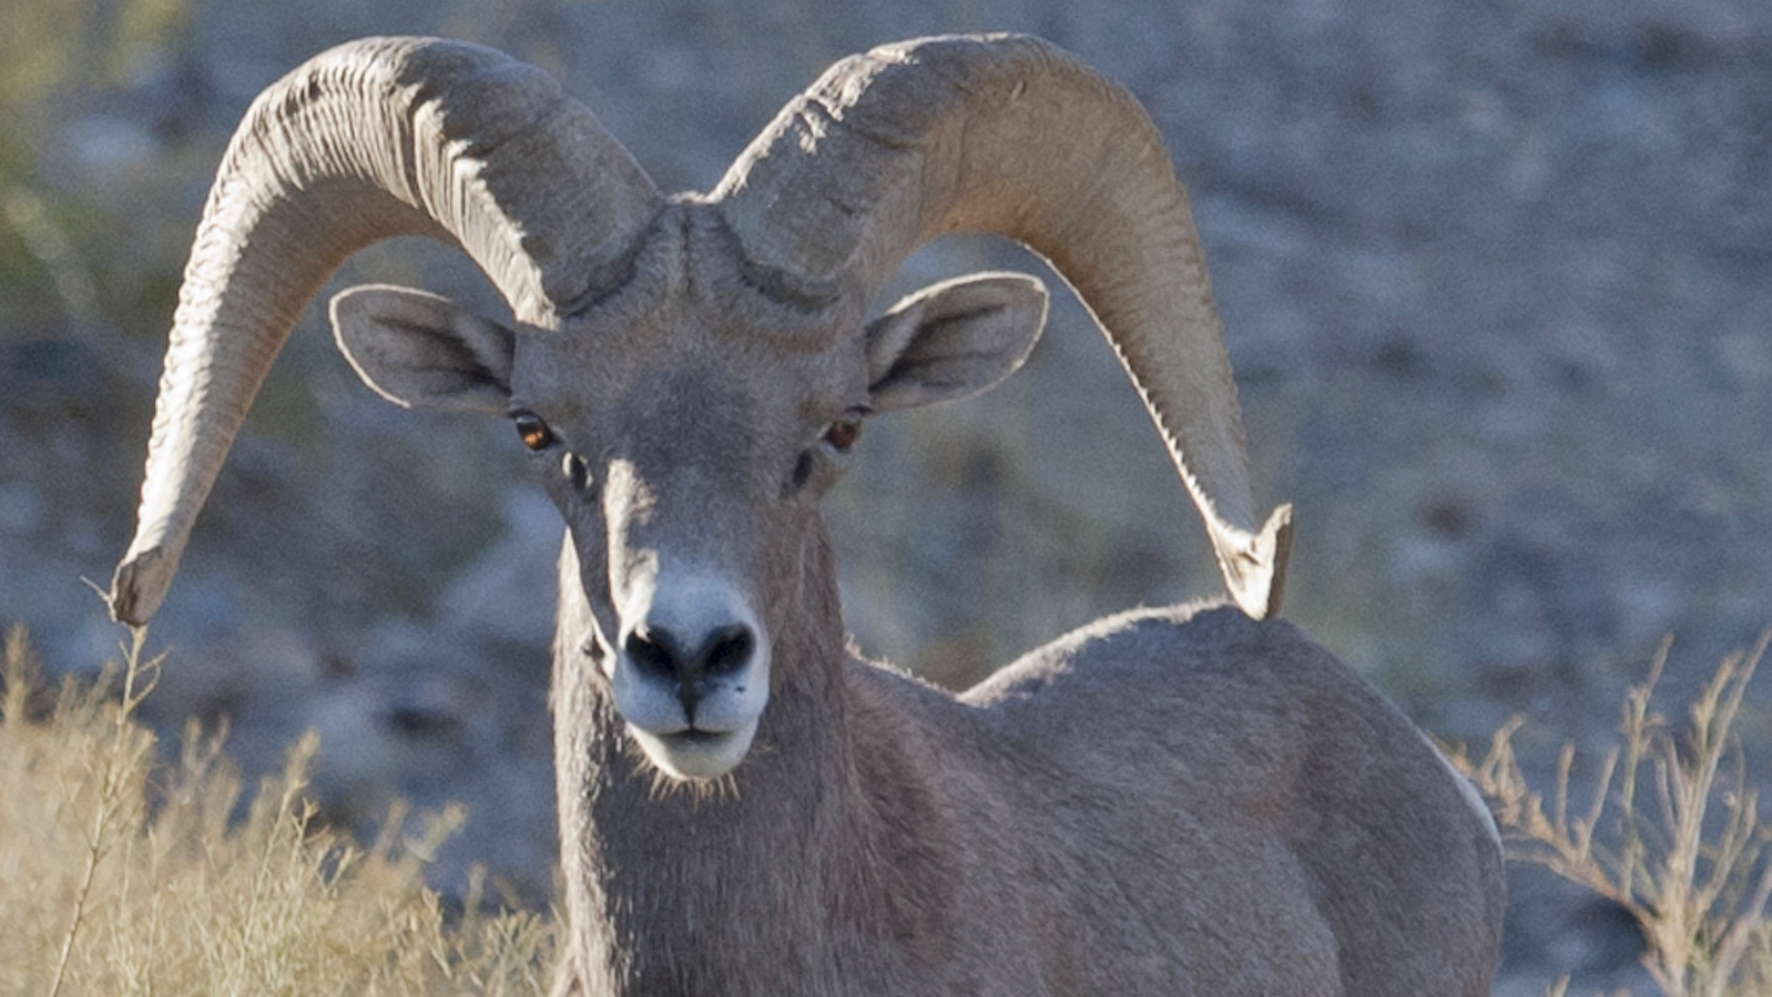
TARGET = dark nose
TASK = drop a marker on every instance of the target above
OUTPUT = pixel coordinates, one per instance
(690, 667)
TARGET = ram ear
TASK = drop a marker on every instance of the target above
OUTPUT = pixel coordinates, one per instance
(419, 350)
(953, 339)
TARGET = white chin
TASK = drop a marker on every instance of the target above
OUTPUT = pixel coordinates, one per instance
(696, 755)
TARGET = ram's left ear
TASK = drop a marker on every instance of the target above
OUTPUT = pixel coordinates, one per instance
(953, 339)
(419, 350)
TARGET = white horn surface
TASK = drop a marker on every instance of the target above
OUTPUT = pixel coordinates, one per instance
(374, 139)
(1008, 135)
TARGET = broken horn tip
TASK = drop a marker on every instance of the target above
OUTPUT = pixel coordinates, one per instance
(136, 591)
(1275, 538)
(1258, 583)
(1259, 598)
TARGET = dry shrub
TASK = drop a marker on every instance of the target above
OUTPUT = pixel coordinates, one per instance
(1671, 832)
(121, 874)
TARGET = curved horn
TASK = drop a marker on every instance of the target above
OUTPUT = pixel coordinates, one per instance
(1008, 135)
(374, 139)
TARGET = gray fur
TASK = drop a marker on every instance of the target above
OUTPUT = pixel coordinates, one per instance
(1169, 802)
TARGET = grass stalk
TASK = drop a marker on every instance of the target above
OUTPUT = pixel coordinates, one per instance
(125, 874)
(1672, 832)
(139, 678)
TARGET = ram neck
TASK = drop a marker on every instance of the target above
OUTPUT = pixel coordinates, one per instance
(773, 877)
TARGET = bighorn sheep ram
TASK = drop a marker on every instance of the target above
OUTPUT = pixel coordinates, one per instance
(1166, 802)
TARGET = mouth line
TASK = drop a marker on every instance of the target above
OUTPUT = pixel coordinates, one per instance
(696, 735)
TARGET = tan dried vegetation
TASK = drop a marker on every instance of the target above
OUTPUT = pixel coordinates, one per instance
(1669, 828)
(121, 873)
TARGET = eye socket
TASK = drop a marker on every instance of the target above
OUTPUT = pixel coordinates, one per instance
(533, 431)
(843, 433)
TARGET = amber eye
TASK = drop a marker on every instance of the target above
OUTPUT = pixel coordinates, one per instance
(843, 433)
(535, 433)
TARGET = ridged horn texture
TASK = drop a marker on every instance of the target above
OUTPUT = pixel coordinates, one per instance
(374, 139)
(1005, 134)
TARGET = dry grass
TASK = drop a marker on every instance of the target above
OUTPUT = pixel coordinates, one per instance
(122, 874)
(1671, 832)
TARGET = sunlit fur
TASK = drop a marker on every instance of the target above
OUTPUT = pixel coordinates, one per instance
(1168, 802)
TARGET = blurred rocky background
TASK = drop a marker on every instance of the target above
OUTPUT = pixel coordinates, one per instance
(1496, 276)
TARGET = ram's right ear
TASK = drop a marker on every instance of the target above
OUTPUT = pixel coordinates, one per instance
(420, 350)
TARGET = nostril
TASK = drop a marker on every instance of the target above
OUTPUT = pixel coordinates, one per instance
(659, 655)
(654, 652)
(576, 473)
(728, 650)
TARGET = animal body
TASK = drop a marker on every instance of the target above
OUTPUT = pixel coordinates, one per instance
(1170, 802)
